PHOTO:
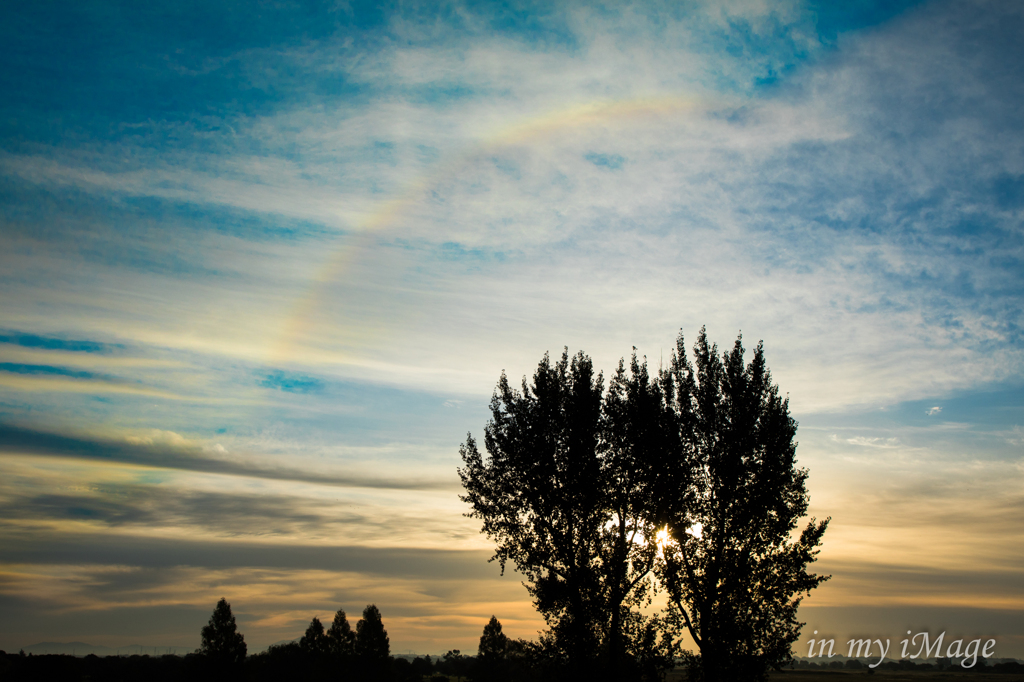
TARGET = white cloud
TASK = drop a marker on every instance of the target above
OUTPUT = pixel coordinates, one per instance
(723, 213)
(876, 442)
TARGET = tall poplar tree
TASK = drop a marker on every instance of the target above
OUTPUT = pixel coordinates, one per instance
(561, 494)
(733, 570)
(540, 497)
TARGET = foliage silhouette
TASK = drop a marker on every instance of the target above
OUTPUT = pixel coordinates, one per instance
(543, 497)
(493, 642)
(281, 662)
(315, 641)
(733, 574)
(221, 639)
(331, 653)
(492, 653)
(578, 482)
(371, 638)
(640, 441)
(373, 647)
(341, 638)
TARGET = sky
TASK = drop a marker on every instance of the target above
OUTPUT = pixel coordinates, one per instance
(262, 265)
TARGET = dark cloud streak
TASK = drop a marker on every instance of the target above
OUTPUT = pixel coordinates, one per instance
(895, 580)
(232, 514)
(16, 440)
(82, 549)
(46, 370)
(54, 343)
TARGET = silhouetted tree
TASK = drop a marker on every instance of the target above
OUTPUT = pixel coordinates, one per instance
(315, 641)
(221, 639)
(639, 442)
(492, 655)
(578, 482)
(540, 497)
(566, 494)
(493, 642)
(535, 661)
(372, 644)
(341, 639)
(734, 574)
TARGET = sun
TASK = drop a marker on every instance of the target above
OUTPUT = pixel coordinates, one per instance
(663, 539)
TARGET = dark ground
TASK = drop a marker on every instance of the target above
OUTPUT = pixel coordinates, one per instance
(879, 676)
(56, 668)
(889, 676)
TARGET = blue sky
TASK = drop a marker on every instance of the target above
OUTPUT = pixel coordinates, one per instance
(262, 267)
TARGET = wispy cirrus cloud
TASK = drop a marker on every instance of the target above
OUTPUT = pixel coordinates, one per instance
(722, 190)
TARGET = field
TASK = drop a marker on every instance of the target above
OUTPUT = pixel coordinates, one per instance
(880, 676)
(887, 676)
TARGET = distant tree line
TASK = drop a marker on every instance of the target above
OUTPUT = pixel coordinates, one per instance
(334, 653)
(339, 653)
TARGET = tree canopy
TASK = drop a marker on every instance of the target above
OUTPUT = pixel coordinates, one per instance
(315, 641)
(341, 638)
(371, 640)
(688, 476)
(733, 572)
(221, 639)
(493, 642)
(543, 497)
